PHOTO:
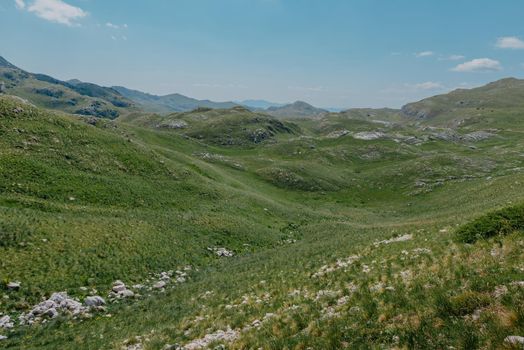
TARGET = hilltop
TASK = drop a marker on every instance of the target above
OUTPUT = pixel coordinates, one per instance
(298, 109)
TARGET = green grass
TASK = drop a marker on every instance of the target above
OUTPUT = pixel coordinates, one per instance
(83, 205)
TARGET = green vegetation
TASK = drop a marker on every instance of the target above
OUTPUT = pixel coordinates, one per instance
(501, 222)
(343, 229)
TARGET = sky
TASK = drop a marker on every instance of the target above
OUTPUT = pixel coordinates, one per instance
(331, 53)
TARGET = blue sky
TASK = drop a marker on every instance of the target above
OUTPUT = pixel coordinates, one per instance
(332, 53)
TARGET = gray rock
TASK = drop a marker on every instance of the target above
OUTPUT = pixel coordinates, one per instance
(126, 293)
(13, 285)
(118, 286)
(3, 337)
(515, 340)
(94, 301)
(58, 303)
(159, 285)
(5, 322)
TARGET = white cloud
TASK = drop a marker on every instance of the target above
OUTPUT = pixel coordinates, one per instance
(20, 4)
(54, 11)
(424, 54)
(510, 42)
(428, 85)
(478, 65)
(116, 26)
(452, 58)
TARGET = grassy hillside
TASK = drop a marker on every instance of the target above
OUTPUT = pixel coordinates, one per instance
(342, 229)
(72, 97)
(461, 105)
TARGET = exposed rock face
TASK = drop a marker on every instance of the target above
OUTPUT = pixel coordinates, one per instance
(478, 136)
(337, 133)
(373, 135)
(173, 124)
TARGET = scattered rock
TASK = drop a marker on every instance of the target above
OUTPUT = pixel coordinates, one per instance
(374, 135)
(478, 136)
(339, 264)
(52, 307)
(229, 335)
(515, 340)
(173, 124)
(337, 133)
(120, 291)
(500, 291)
(222, 252)
(403, 238)
(2, 337)
(18, 110)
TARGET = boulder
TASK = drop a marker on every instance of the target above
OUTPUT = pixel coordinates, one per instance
(515, 340)
(94, 301)
(5, 322)
(13, 285)
(159, 285)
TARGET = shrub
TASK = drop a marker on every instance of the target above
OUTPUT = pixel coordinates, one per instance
(500, 222)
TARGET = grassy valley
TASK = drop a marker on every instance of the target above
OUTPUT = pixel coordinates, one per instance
(360, 229)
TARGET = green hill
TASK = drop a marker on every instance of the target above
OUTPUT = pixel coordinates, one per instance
(237, 126)
(77, 98)
(296, 110)
(464, 105)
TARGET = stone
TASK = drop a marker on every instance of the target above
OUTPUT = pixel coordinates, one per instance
(515, 340)
(13, 285)
(94, 301)
(58, 303)
(159, 285)
(118, 287)
(126, 293)
(5, 322)
(3, 337)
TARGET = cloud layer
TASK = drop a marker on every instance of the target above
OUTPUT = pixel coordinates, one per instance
(479, 65)
(56, 11)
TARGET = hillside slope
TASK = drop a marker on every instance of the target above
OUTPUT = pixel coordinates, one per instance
(73, 97)
(460, 105)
